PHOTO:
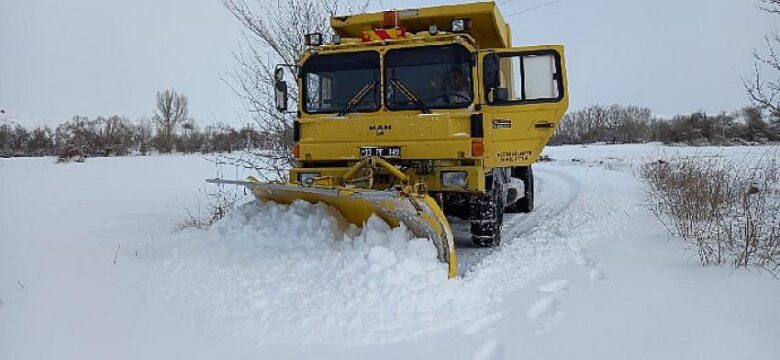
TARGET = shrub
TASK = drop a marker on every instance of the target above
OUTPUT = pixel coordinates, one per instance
(218, 204)
(729, 209)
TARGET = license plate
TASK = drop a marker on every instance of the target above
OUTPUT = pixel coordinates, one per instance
(384, 152)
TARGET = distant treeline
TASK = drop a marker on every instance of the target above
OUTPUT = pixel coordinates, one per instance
(117, 136)
(633, 124)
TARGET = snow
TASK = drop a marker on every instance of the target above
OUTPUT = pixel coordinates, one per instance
(92, 268)
(322, 280)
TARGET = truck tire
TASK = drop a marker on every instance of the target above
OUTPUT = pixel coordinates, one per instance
(487, 213)
(526, 203)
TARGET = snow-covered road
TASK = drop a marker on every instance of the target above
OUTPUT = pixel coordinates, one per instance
(90, 268)
(555, 191)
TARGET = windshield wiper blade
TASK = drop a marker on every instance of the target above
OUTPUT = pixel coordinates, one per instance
(410, 95)
(358, 98)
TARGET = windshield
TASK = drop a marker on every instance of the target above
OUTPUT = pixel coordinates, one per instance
(330, 82)
(435, 77)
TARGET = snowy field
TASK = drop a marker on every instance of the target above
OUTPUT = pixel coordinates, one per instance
(92, 268)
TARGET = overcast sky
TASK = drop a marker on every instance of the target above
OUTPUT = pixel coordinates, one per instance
(59, 58)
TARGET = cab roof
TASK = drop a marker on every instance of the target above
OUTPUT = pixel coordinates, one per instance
(488, 27)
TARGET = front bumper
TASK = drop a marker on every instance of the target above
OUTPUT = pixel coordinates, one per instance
(432, 178)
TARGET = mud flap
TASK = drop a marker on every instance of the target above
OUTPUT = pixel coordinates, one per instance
(419, 213)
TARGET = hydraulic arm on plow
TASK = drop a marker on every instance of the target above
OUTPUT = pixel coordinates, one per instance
(418, 114)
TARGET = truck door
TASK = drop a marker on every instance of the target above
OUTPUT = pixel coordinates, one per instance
(523, 98)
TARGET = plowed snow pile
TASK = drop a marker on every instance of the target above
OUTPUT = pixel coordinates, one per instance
(301, 272)
(289, 274)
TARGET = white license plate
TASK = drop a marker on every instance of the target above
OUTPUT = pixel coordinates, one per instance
(384, 152)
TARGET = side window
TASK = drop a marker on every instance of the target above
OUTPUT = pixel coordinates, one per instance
(509, 73)
(523, 77)
(326, 90)
(540, 77)
(319, 94)
(313, 95)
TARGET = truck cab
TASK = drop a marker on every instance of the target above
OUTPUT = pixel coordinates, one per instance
(438, 92)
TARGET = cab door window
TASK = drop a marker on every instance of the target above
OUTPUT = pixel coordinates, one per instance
(526, 77)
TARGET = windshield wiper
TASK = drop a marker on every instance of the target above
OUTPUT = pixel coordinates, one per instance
(410, 95)
(358, 98)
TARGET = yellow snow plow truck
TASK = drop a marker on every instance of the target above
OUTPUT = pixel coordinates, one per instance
(419, 114)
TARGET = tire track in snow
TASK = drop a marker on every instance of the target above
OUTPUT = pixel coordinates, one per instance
(578, 205)
(555, 191)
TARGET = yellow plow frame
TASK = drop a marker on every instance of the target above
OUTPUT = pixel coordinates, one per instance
(406, 204)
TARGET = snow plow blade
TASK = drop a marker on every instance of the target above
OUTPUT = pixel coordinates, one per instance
(418, 212)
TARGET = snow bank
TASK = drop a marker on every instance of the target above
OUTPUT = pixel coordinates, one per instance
(629, 157)
(104, 278)
(300, 272)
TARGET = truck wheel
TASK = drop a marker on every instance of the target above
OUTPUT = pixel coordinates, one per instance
(526, 203)
(487, 214)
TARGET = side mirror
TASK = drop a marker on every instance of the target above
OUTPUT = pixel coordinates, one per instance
(280, 94)
(492, 71)
(279, 74)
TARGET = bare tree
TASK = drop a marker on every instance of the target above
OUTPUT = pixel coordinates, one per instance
(765, 93)
(755, 127)
(172, 110)
(76, 139)
(274, 33)
(142, 136)
(770, 6)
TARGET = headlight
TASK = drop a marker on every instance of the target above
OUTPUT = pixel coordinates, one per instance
(460, 25)
(314, 39)
(454, 178)
(307, 178)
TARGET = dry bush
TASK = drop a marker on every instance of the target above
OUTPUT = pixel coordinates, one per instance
(218, 204)
(71, 153)
(729, 209)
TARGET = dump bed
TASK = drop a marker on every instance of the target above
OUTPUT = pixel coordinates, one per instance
(488, 27)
